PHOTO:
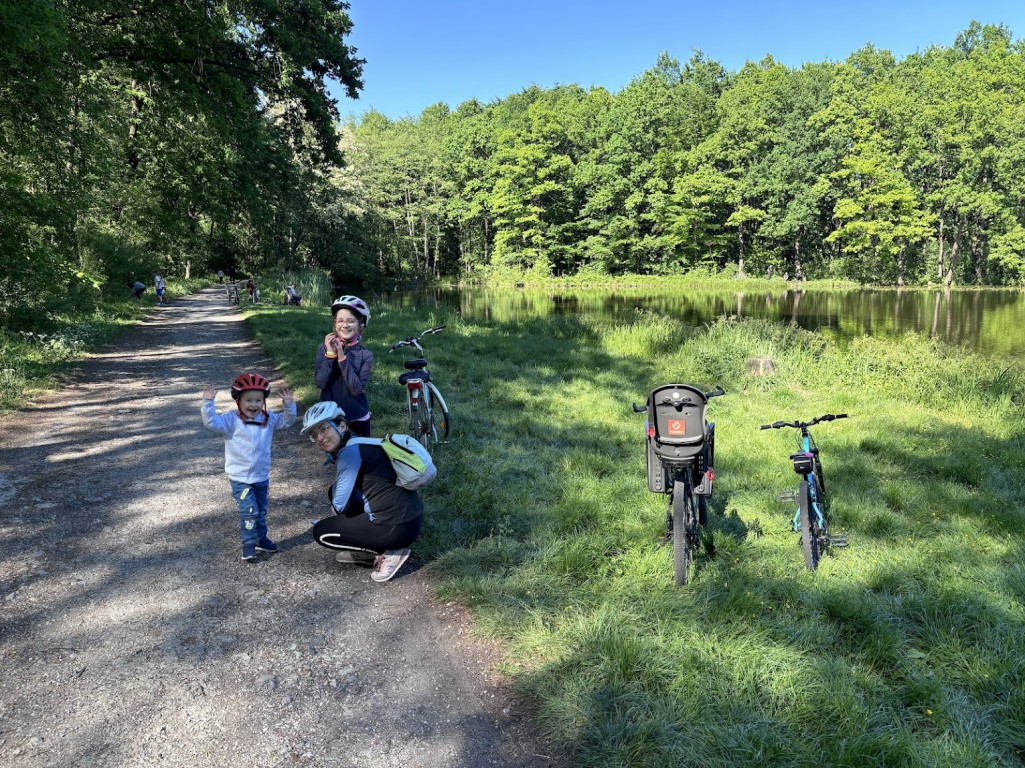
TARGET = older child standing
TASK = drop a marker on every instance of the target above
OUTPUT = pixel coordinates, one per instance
(249, 431)
(343, 365)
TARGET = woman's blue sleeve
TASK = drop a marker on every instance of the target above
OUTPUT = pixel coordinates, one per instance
(349, 462)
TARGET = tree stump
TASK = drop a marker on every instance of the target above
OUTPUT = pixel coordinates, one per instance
(760, 366)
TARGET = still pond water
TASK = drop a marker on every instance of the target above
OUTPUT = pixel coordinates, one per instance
(990, 322)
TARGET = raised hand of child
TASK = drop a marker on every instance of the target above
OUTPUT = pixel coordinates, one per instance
(287, 396)
(329, 343)
(210, 392)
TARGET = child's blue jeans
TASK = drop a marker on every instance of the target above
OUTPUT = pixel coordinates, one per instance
(252, 510)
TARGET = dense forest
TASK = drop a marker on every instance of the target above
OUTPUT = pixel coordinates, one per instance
(871, 169)
(192, 136)
(138, 135)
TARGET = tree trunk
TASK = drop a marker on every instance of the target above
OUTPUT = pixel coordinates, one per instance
(978, 260)
(952, 262)
(901, 259)
(133, 129)
(427, 251)
(740, 261)
(939, 258)
(487, 232)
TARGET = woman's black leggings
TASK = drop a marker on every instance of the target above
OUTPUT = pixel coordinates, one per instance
(360, 532)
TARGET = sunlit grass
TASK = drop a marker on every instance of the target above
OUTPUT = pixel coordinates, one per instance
(904, 648)
(33, 360)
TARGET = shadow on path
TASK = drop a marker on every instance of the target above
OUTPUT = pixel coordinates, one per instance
(132, 635)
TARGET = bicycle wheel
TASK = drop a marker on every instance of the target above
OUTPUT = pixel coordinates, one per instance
(442, 419)
(809, 527)
(684, 527)
(413, 412)
(425, 431)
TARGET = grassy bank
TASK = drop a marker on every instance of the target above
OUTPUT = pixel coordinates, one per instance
(33, 361)
(904, 649)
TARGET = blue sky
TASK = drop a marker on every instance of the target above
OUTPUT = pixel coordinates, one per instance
(420, 53)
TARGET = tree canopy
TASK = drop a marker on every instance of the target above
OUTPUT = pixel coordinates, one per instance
(137, 135)
(870, 169)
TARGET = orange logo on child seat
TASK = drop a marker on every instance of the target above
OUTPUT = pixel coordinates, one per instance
(677, 427)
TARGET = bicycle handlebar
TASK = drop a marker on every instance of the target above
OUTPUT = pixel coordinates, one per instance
(414, 341)
(804, 424)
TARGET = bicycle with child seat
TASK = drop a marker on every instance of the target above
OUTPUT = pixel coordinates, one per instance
(429, 418)
(810, 519)
(680, 459)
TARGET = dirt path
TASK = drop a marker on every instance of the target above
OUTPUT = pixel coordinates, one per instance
(132, 635)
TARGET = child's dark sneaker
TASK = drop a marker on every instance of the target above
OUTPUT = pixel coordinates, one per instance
(266, 545)
(357, 557)
(248, 554)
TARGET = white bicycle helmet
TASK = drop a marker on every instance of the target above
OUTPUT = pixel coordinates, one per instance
(355, 303)
(319, 413)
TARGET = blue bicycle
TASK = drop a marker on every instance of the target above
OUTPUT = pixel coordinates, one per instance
(810, 519)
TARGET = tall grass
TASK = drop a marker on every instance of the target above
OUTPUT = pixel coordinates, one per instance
(904, 649)
(34, 360)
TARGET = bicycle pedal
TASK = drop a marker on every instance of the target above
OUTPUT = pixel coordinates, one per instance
(788, 496)
(838, 540)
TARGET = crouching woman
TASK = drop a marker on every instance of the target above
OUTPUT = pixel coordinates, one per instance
(375, 521)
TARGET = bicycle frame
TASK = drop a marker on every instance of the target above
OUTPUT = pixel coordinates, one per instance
(809, 452)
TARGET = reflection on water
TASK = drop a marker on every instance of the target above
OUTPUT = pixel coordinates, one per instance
(989, 322)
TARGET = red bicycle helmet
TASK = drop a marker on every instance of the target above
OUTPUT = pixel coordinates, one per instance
(250, 381)
(354, 303)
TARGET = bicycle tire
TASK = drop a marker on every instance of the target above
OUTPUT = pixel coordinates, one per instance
(683, 522)
(412, 414)
(442, 418)
(702, 510)
(425, 430)
(809, 528)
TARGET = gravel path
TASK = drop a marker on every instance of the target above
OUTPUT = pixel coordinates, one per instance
(132, 635)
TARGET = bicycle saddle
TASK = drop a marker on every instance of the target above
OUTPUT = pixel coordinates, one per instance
(415, 365)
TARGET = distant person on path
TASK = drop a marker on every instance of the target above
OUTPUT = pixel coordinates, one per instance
(137, 288)
(158, 285)
(343, 365)
(249, 431)
(375, 520)
(220, 275)
(231, 273)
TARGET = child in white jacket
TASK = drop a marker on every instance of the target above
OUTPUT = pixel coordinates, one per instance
(249, 431)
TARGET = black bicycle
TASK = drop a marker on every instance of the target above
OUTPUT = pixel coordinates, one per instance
(810, 519)
(680, 457)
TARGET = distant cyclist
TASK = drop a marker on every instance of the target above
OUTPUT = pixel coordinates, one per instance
(343, 365)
